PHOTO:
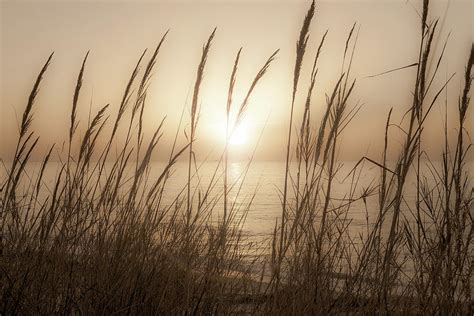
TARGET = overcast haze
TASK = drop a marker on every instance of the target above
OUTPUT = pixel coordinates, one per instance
(117, 33)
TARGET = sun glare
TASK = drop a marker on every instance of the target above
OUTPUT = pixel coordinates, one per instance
(240, 136)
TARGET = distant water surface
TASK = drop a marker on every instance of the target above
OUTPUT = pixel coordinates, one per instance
(261, 185)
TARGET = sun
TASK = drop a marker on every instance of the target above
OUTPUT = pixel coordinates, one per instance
(240, 136)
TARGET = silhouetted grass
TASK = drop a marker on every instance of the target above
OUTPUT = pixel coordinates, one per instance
(100, 240)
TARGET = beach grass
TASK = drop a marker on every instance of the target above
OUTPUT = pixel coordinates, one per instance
(101, 240)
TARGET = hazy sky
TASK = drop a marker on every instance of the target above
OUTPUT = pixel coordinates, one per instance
(117, 32)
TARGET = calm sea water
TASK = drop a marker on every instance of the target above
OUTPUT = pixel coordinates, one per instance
(261, 185)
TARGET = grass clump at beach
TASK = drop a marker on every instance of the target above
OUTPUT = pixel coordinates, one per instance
(101, 240)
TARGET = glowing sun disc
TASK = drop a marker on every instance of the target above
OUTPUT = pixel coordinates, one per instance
(239, 137)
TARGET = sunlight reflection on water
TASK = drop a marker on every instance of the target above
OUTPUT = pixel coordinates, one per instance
(262, 182)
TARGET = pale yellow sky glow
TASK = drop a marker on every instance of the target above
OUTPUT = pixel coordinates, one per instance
(117, 32)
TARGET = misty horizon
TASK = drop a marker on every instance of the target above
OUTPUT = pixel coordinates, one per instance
(382, 45)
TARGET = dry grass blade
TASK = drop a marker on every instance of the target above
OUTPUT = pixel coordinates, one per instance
(301, 46)
(300, 51)
(194, 113)
(199, 78)
(126, 96)
(27, 115)
(258, 77)
(465, 99)
(90, 132)
(75, 99)
(393, 70)
(232, 80)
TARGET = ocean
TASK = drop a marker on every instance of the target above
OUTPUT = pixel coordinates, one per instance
(257, 188)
